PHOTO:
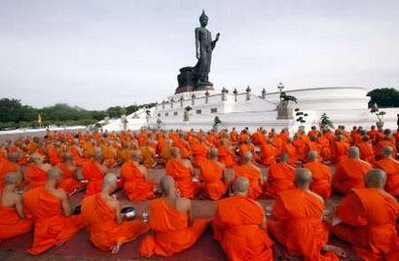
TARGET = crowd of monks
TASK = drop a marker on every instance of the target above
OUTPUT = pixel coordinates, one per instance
(38, 177)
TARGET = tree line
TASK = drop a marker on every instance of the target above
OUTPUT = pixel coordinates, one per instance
(384, 97)
(13, 114)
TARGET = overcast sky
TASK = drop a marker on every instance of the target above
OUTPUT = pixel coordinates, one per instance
(96, 54)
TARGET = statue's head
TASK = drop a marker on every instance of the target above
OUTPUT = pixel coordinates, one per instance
(203, 19)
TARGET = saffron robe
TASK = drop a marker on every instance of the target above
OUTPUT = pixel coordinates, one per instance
(135, 185)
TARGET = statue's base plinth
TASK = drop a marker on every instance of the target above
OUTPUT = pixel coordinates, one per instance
(182, 89)
(204, 87)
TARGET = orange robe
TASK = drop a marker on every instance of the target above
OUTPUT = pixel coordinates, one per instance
(69, 183)
(135, 185)
(6, 166)
(290, 149)
(236, 226)
(148, 156)
(211, 174)
(104, 231)
(299, 224)
(200, 153)
(350, 174)
(36, 176)
(183, 178)
(172, 233)
(227, 157)
(94, 175)
(53, 156)
(11, 225)
(391, 168)
(340, 151)
(280, 178)
(326, 151)
(51, 225)
(369, 218)
(267, 154)
(253, 175)
(109, 156)
(301, 148)
(321, 175)
(366, 152)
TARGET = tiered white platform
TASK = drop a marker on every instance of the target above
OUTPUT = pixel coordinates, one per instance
(344, 105)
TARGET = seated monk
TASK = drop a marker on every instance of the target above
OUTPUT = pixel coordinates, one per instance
(340, 149)
(148, 154)
(50, 210)
(181, 171)
(368, 217)
(321, 175)
(8, 165)
(280, 177)
(102, 214)
(212, 173)
(93, 171)
(246, 147)
(200, 151)
(135, 180)
(290, 149)
(350, 173)
(252, 173)
(391, 168)
(174, 227)
(298, 221)
(36, 174)
(12, 218)
(239, 225)
(226, 154)
(366, 150)
(267, 153)
(69, 182)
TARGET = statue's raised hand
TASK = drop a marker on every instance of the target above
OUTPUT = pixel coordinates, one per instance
(217, 36)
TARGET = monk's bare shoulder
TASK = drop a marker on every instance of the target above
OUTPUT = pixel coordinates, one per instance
(315, 195)
(220, 164)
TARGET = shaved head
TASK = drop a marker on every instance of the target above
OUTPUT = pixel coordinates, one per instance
(36, 158)
(12, 178)
(13, 156)
(175, 152)
(110, 180)
(387, 151)
(353, 152)
(213, 153)
(312, 155)
(303, 177)
(136, 155)
(67, 156)
(241, 185)
(376, 178)
(54, 174)
(98, 155)
(284, 157)
(247, 157)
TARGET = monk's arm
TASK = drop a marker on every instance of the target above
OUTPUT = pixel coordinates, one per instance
(119, 216)
(19, 207)
(66, 207)
(190, 213)
(350, 211)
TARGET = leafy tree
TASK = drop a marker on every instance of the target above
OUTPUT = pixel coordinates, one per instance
(325, 121)
(384, 97)
(115, 111)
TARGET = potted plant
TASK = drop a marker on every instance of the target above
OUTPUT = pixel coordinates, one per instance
(186, 116)
(300, 115)
(325, 121)
(379, 114)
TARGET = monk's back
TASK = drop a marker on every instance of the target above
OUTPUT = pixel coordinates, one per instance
(166, 217)
(300, 204)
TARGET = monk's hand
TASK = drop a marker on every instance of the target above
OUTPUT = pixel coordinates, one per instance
(336, 250)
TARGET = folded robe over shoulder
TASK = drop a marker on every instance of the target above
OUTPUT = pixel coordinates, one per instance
(369, 218)
(349, 174)
(236, 226)
(321, 176)
(35, 176)
(391, 167)
(101, 223)
(253, 175)
(172, 233)
(94, 176)
(11, 225)
(211, 174)
(136, 187)
(227, 156)
(51, 225)
(69, 182)
(182, 175)
(280, 178)
(299, 224)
